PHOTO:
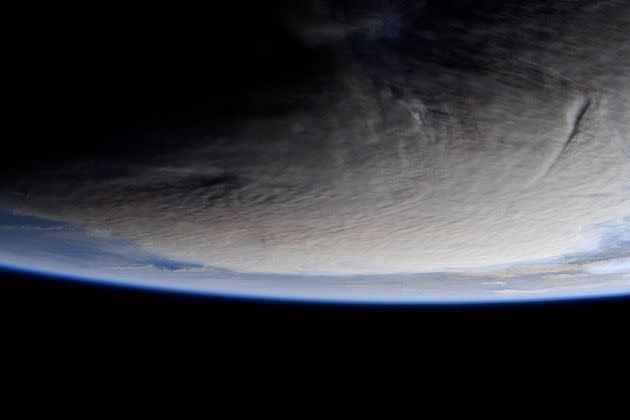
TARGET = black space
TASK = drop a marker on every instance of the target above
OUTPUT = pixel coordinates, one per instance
(67, 344)
(102, 83)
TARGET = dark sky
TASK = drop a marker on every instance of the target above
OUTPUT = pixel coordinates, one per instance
(72, 346)
(112, 75)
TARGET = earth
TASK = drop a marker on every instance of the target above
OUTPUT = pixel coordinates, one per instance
(378, 152)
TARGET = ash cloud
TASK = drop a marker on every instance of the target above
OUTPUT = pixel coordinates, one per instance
(465, 143)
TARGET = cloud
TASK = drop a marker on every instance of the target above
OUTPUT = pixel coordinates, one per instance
(494, 283)
(613, 266)
(409, 163)
(559, 290)
(29, 228)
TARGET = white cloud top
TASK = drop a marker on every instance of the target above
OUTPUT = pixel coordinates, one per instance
(404, 165)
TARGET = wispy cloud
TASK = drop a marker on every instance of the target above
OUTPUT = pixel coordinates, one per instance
(615, 266)
(494, 283)
(29, 228)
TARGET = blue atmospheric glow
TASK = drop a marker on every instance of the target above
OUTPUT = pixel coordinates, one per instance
(63, 252)
(187, 290)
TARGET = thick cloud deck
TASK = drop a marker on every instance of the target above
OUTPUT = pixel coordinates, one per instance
(440, 141)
